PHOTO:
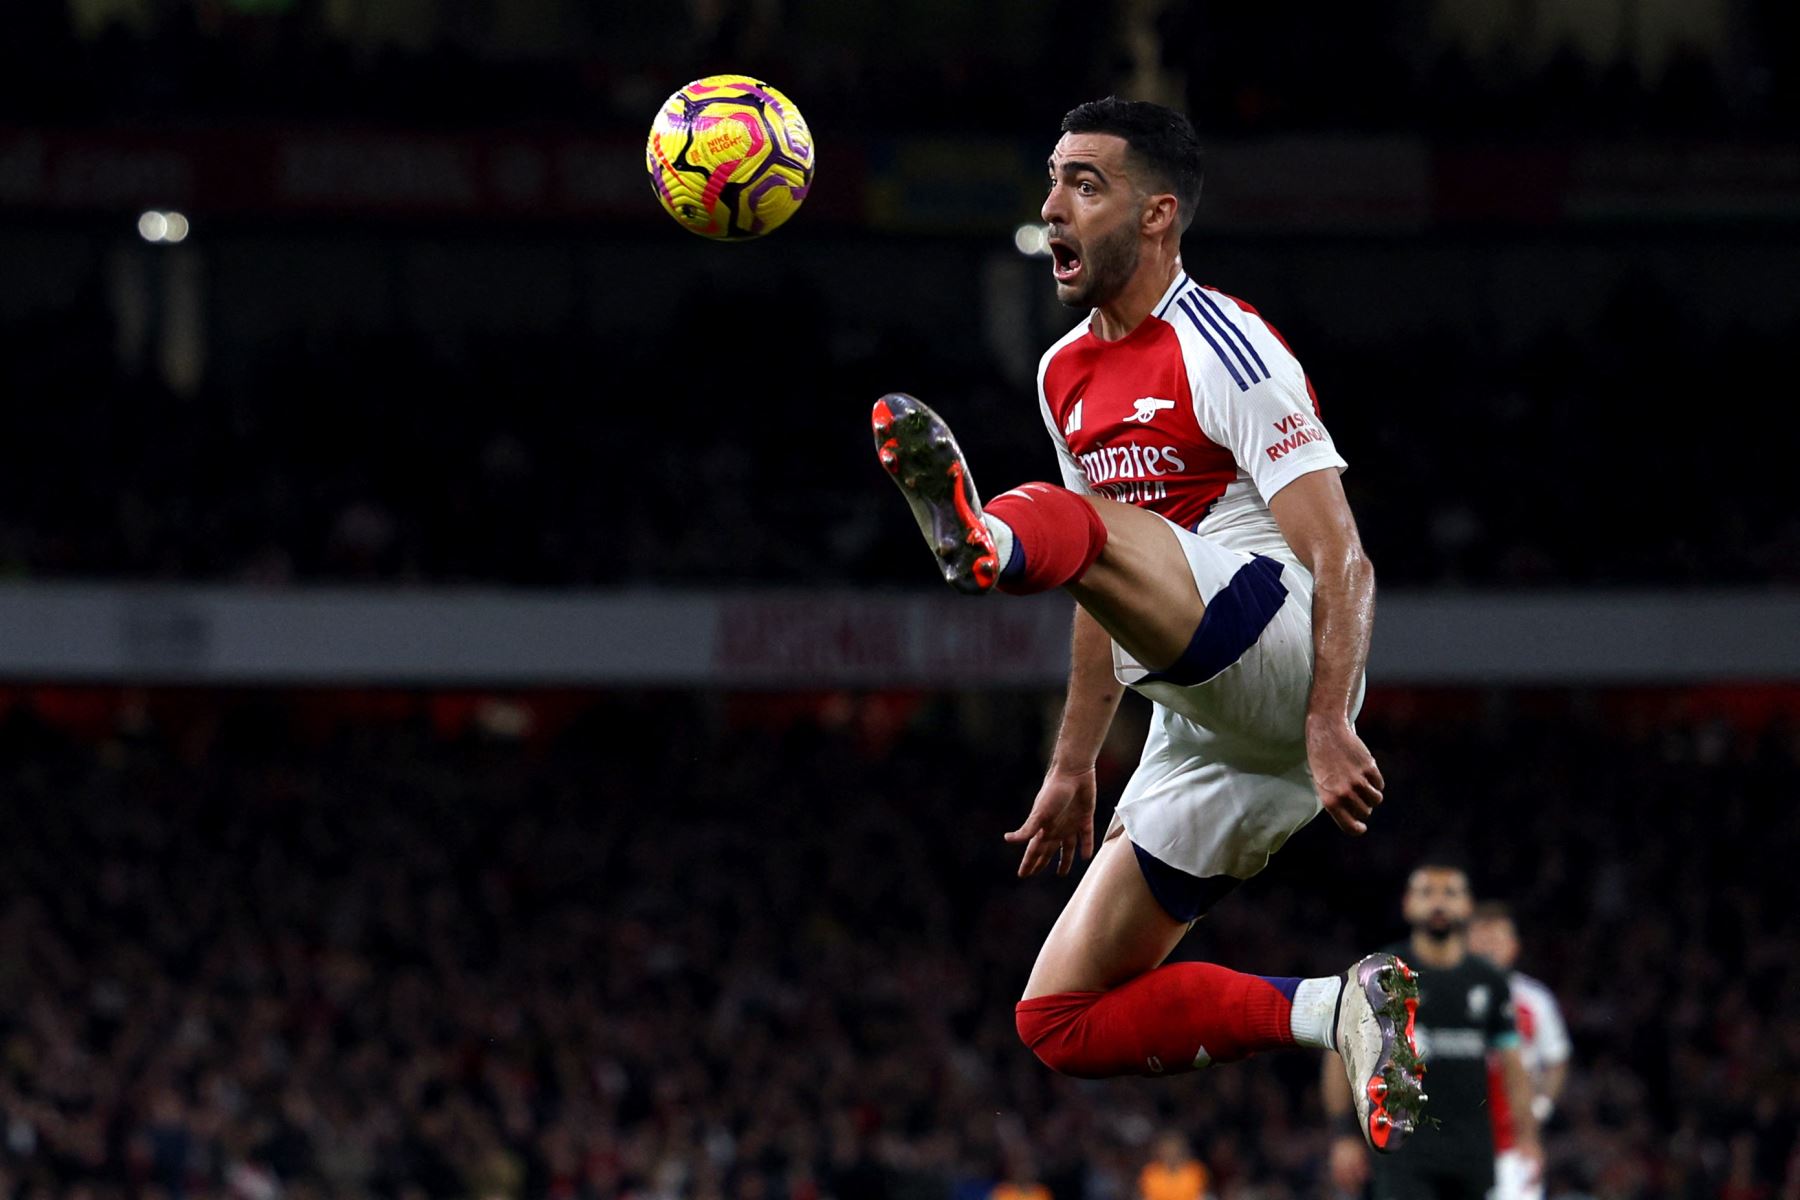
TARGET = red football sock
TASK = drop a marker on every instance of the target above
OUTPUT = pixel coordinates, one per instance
(1057, 535)
(1175, 1018)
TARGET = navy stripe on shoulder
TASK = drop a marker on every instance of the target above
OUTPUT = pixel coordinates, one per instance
(1175, 290)
(1213, 342)
(1211, 314)
(1232, 328)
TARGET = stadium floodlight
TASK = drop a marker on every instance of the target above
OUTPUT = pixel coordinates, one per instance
(1032, 239)
(166, 227)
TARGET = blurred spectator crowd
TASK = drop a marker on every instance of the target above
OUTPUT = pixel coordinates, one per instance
(583, 459)
(262, 947)
(918, 65)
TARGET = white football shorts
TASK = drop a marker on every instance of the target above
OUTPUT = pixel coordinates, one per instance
(1224, 781)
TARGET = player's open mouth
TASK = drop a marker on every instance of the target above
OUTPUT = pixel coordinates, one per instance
(1067, 263)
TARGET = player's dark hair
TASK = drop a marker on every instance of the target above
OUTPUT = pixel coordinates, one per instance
(1445, 860)
(1492, 910)
(1159, 136)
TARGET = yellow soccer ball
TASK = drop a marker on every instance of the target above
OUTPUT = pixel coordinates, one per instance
(730, 157)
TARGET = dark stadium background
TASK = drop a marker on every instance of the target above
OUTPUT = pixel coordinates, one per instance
(445, 751)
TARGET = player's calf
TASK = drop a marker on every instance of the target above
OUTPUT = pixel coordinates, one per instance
(1050, 537)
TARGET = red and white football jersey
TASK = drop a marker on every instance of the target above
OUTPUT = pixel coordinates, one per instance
(1543, 1043)
(1201, 414)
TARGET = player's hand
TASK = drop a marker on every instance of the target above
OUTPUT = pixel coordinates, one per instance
(1061, 823)
(1532, 1151)
(1344, 773)
(1348, 1168)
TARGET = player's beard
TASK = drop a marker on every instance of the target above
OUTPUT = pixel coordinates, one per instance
(1107, 265)
(1441, 926)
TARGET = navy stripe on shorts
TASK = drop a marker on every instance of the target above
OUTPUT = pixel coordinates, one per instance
(1234, 619)
(1184, 897)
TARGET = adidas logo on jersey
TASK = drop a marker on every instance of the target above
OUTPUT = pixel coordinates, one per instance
(1147, 408)
(1073, 424)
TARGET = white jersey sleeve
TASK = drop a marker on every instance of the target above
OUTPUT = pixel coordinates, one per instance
(1073, 477)
(1250, 393)
(1549, 1032)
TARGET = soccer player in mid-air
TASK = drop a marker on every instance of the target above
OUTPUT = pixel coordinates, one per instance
(1203, 532)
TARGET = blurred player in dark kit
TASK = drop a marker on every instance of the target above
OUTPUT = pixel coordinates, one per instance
(1465, 1017)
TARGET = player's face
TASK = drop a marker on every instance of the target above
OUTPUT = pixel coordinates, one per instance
(1093, 211)
(1495, 940)
(1438, 901)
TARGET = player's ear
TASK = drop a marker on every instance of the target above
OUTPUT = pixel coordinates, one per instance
(1159, 214)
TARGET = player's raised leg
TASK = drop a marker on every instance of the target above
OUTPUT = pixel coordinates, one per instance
(1121, 563)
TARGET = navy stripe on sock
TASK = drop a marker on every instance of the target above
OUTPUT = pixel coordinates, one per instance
(1234, 619)
(1285, 984)
(1014, 570)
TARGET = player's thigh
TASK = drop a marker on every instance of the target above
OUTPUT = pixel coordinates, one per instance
(1141, 588)
(1112, 930)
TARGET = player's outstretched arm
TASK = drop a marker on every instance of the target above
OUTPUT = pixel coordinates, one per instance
(1519, 1096)
(1550, 1089)
(1061, 822)
(1348, 1165)
(1315, 519)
